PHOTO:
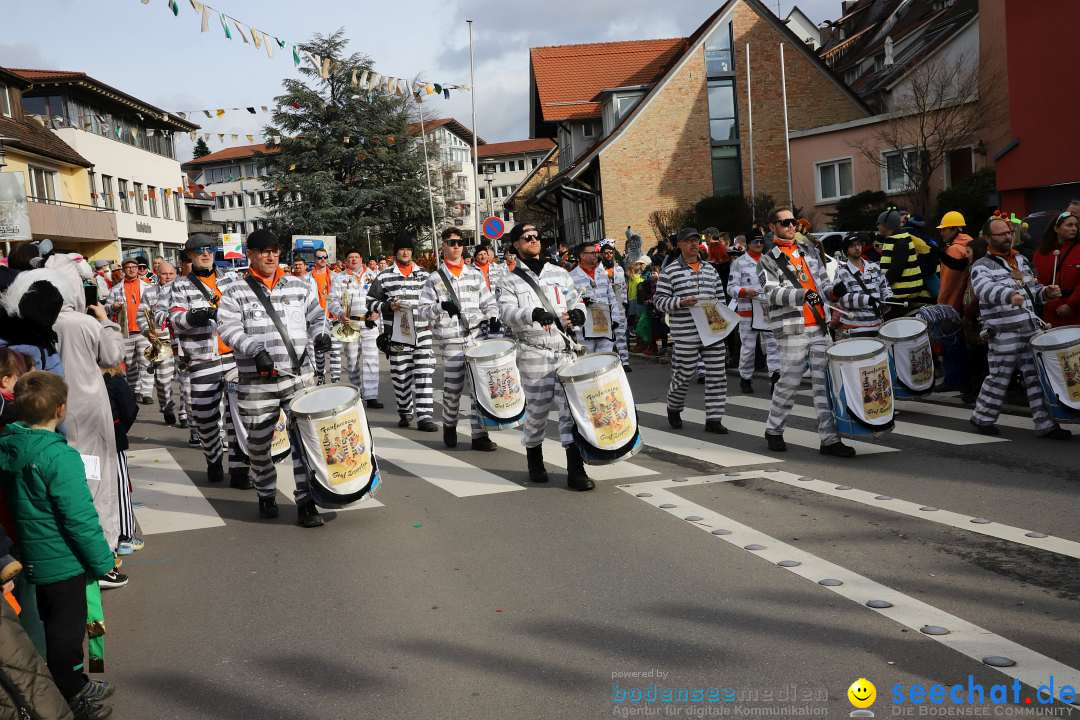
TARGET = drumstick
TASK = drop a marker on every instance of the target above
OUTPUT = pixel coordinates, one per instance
(1053, 280)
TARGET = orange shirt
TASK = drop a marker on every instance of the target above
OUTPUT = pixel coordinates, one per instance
(802, 270)
(590, 273)
(210, 281)
(322, 284)
(695, 266)
(132, 298)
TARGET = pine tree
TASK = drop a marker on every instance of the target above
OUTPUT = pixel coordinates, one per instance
(347, 152)
(201, 149)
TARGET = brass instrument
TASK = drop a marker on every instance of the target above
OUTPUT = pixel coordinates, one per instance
(344, 331)
(158, 350)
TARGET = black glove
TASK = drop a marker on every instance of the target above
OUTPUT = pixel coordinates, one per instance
(451, 308)
(586, 301)
(812, 298)
(494, 327)
(542, 316)
(201, 317)
(839, 290)
(368, 322)
(614, 326)
(577, 317)
(875, 303)
(322, 343)
(264, 364)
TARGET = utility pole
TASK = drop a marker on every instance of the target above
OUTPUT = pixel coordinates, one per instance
(475, 155)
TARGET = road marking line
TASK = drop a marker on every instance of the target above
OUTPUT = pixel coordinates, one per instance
(554, 454)
(286, 484)
(168, 500)
(960, 413)
(459, 478)
(793, 436)
(923, 432)
(1001, 531)
(1032, 668)
(701, 449)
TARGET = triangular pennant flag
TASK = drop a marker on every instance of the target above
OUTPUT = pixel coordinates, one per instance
(429, 89)
(347, 138)
(324, 71)
(250, 138)
(280, 43)
(192, 135)
(220, 112)
(221, 137)
(295, 56)
(263, 108)
(373, 83)
(205, 23)
(235, 136)
(364, 80)
(251, 110)
(446, 93)
(269, 47)
(182, 114)
(355, 81)
(174, 7)
(196, 5)
(240, 30)
(134, 131)
(207, 113)
(145, 2)
(256, 38)
(292, 167)
(225, 26)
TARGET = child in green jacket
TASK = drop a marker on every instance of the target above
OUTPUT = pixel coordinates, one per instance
(60, 535)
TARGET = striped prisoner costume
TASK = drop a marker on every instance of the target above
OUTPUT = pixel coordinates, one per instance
(678, 281)
(862, 320)
(411, 368)
(246, 327)
(540, 353)
(1010, 329)
(477, 304)
(155, 299)
(744, 276)
(597, 288)
(361, 358)
(135, 344)
(617, 277)
(207, 367)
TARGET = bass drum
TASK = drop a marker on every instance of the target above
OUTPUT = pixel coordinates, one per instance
(859, 387)
(1057, 359)
(602, 405)
(498, 396)
(911, 360)
(336, 441)
(280, 446)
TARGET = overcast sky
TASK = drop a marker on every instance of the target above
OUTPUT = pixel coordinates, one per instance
(145, 51)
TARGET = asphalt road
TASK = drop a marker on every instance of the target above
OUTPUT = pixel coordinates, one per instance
(466, 592)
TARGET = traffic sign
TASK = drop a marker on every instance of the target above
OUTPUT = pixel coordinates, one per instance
(494, 227)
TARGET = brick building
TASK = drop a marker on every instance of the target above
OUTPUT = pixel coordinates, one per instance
(661, 124)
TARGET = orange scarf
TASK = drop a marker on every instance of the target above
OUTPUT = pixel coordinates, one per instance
(405, 270)
(484, 270)
(269, 282)
(455, 270)
(798, 263)
(210, 281)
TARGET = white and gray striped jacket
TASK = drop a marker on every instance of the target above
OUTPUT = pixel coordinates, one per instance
(517, 300)
(476, 302)
(744, 276)
(247, 328)
(678, 281)
(599, 289)
(389, 285)
(994, 286)
(618, 281)
(784, 299)
(341, 284)
(198, 343)
(116, 297)
(861, 312)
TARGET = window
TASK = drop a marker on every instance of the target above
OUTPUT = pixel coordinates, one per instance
(107, 192)
(535, 162)
(899, 167)
(723, 125)
(5, 101)
(959, 165)
(178, 206)
(229, 201)
(122, 186)
(588, 129)
(833, 180)
(42, 183)
(264, 198)
(140, 208)
(166, 210)
(719, 59)
(502, 167)
(239, 200)
(251, 199)
(521, 164)
(727, 172)
(151, 192)
(625, 103)
(483, 194)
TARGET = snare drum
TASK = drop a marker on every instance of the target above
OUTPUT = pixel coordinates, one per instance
(602, 405)
(336, 442)
(279, 443)
(498, 396)
(911, 360)
(859, 387)
(1057, 359)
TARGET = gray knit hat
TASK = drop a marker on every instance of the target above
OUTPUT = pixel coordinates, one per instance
(890, 219)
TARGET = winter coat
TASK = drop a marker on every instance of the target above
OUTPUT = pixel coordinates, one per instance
(26, 687)
(125, 408)
(956, 272)
(60, 535)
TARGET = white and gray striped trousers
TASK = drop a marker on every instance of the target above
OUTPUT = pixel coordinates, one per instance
(749, 337)
(685, 360)
(207, 403)
(361, 363)
(455, 370)
(123, 485)
(542, 390)
(261, 401)
(335, 362)
(164, 372)
(138, 367)
(1010, 350)
(411, 370)
(795, 350)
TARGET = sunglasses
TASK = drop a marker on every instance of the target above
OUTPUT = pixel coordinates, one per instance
(204, 250)
(454, 242)
(787, 222)
(530, 236)
(322, 257)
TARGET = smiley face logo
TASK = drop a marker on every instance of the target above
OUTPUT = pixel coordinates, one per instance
(862, 693)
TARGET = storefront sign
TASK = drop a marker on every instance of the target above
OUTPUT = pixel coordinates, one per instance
(143, 227)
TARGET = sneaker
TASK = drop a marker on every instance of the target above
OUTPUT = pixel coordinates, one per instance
(374, 404)
(307, 515)
(427, 426)
(100, 689)
(449, 436)
(746, 386)
(838, 449)
(240, 478)
(130, 547)
(1058, 433)
(193, 438)
(85, 705)
(170, 417)
(113, 579)
(182, 422)
(146, 400)
(268, 509)
(214, 472)
(627, 369)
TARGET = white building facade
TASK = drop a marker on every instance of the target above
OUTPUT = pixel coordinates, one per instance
(449, 149)
(503, 167)
(235, 179)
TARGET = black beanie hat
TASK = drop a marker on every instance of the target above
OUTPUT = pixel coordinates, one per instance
(403, 241)
(262, 240)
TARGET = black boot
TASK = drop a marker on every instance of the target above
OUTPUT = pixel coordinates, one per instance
(537, 471)
(715, 426)
(427, 426)
(484, 444)
(576, 478)
(374, 404)
(449, 436)
(240, 478)
(674, 418)
(776, 442)
(403, 422)
(169, 417)
(746, 386)
(307, 515)
(838, 449)
(214, 472)
(268, 509)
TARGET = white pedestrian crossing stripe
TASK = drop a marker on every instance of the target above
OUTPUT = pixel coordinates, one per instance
(166, 498)
(443, 470)
(554, 454)
(957, 413)
(286, 485)
(900, 427)
(700, 449)
(793, 436)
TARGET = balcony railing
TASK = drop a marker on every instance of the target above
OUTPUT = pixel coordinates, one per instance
(73, 222)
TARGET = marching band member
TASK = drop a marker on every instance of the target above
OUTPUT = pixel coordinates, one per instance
(794, 284)
(323, 278)
(682, 283)
(594, 286)
(484, 261)
(397, 289)
(862, 278)
(269, 318)
(744, 284)
(460, 307)
(353, 282)
(1008, 292)
(193, 310)
(127, 296)
(535, 296)
(155, 301)
(369, 337)
(617, 277)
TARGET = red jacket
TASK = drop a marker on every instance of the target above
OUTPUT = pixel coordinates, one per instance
(1068, 278)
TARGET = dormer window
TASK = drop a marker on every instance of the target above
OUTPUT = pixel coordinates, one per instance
(5, 101)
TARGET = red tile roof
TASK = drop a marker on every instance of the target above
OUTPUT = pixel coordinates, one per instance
(239, 152)
(515, 147)
(452, 125)
(568, 77)
(29, 135)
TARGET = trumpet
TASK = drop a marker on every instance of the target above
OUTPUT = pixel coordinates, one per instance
(344, 331)
(158, 350)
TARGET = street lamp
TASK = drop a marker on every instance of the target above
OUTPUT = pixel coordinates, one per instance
(489, 177)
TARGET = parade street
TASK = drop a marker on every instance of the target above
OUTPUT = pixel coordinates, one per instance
(464, 591)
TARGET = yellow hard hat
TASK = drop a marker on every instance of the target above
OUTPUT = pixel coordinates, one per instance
(952, 219)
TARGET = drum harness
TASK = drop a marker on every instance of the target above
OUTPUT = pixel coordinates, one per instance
(468, 340)
(572, 347)
(264, 298)
(1037, 323)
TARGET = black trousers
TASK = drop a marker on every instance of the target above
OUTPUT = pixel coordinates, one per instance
(62, 606)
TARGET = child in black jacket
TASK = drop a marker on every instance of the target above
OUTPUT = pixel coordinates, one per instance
(125, 408)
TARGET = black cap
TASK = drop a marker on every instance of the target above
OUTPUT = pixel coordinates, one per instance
(262, 240)
(688, 232)
(129, 261)
(404, 241)
(850, 239)
(141, 260)
(200, 240)
(484, 245)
